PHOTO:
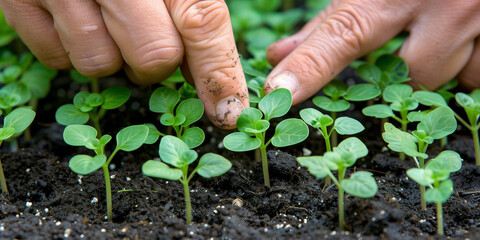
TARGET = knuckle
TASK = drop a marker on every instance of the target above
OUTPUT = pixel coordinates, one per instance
(349, 27)
(59, 63)
(98, 65)
(202, 17)
(151, 58)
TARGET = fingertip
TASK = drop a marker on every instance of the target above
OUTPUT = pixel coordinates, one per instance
(227, 112)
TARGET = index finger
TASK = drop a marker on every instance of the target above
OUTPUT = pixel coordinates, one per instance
(212, 57)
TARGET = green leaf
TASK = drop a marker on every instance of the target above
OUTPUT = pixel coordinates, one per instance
(192, 109)
(18, 89)
(179, 120)
(353, 145)
(6, 132)
(428, 98)
(248, 119)
(94, 100)
(370, 73)
(131, 137)
(104, 140)
(397, 93)
(189, 157)
(348, 126)
(289, 132)
(421, 176)
(335, 89)
(312, 116)
(464, 100)
(19, 119)
(79, 78)
(80, 101)
(260, 126)
(395, 67)
(330, 105)
(37, 79)
(115, 97)
(417, 116)
(334, 160)
(153, 134)
(276, 103)
(441, 193)
(213, 165)
(240, 142)
(422, 136)
(171, 150)
(68, 114)
(78, 135)
(362, 92)
(475, 95)
(314, 165)
(447, 160)
(167, 119)
(11, 73)
(193, 137)
(360, 184)
(438, 123)
(163, 100)
(158, 169)
(400, 141)
(84, 164)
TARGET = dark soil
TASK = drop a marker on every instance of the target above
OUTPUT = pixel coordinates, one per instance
(48, 201)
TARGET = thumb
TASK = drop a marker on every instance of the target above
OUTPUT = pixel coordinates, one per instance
(212, 58)
(348, 31)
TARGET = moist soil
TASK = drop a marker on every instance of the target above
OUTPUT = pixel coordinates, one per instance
(47, 200)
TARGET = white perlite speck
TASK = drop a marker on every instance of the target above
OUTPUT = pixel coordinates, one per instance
(28, 204)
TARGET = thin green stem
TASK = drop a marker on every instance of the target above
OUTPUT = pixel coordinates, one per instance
(341, 211)
(94, 86)
(96, 122)
(188, 202)
(439, 219)
(334, 135)
(108, 189)
(422, 147)
(266, 175)
(3, 182)
(476, 145)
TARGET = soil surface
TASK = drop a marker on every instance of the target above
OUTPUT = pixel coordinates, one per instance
(48, 201)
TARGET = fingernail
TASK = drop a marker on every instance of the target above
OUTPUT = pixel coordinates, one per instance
(286, 80)
(228, 110)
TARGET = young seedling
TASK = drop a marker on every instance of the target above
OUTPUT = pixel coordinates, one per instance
(435, 176)
(253, 123)
(360, 184)
(387, 70)
(91, 106)
(338, 95)
(471, 105)
(437, 124)
(14, 124)
(179, 116)
(176, 153)
(128, 139)
(320, 121)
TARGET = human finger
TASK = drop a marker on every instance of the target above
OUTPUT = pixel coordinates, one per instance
(469, 77)
(353, 29)
(84, 37)
(30, 20)
(146, 36)
(212, 58)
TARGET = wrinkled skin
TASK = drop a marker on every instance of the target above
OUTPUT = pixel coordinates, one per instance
(443, 43)
(148, 39)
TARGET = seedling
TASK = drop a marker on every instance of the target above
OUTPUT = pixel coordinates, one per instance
(128, 139)
(253, 123)
(387, 70)
(13, 125)
(91, 106)
(320, 121)
(179, 116)
(337, 95)
(175, 152)
(79, 78)
(437, 124)
(360, 184)
(471, 105)
(435, 176)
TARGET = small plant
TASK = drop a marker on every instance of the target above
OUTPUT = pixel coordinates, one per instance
(471, 105)
(14, 124)
(91, 106)
(435, 175)
(338, 95)
(437, 124)
(175, 152)
(360, 184)
(179, 116)
(387, 70)
(320, 121)
(253, 123)
(128, 139)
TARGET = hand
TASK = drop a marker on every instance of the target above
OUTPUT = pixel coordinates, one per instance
(149, 39)
(443, 43)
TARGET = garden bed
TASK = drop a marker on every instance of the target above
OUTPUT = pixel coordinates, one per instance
(48, 201)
